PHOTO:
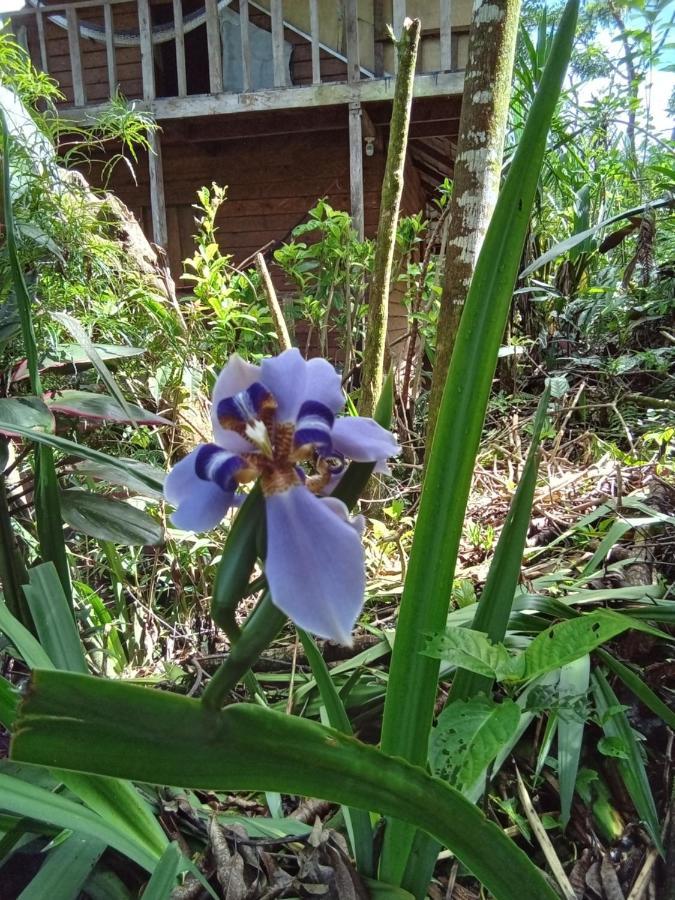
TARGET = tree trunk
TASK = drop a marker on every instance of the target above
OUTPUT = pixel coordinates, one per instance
(480, 147)
(392, 189)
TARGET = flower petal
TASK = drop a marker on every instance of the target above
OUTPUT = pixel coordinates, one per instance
(324, 385)
(315, 563)
(313, 426)
(363, 440)
(201, 486)
(236, 377)
(285, 376)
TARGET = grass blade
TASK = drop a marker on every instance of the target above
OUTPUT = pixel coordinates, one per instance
(635, 684)
(574, 678)
(65, 869)
(53, 620)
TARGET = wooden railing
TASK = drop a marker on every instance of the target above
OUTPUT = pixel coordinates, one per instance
(363, 59)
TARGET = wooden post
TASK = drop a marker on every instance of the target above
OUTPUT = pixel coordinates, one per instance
(352, 33)
(147, 57)
(157, 204)
(277, 15)
(110, 48)
(392, 190)
(44, 61)
(245, 45)
(214, 47)
(273, 303)
(79, 97)
(316, 49)
(378, 35)
(181, 73)
(446, 36)
(356, 167)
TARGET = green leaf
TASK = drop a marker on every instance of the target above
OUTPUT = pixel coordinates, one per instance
(357, 820)
(54, 619)
(468, 736)
(616, 725)
(566, 641)
(135, 476)
(9, 702)
(164, 877)
(573, 683)
(25, 643)
(65, 870)
(472, 651)
(109, 520)
(34, 802)
(635, 684)
(29, 412)
(413, 677)
(127, 731)
(100, 406)
(80, 450)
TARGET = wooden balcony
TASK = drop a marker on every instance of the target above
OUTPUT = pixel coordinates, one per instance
(179, 58)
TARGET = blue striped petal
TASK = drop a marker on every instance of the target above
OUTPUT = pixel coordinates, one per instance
(313, 426)
(201, 487)
(250, 405)
(236, 376)
(363, 440)
(315, 564)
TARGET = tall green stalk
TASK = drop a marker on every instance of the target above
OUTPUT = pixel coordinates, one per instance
(411, 693)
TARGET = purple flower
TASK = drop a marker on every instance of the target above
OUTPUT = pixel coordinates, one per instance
(276, 422)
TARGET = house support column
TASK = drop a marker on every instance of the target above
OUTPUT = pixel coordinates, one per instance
(356, 166)
(157, 203)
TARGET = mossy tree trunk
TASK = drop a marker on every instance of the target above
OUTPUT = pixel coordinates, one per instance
(480, 147)
(392, 189)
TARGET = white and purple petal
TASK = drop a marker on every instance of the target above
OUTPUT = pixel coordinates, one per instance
(363, 440)
(315, 563)
(313, 426)
(201, 487)
(237, 376)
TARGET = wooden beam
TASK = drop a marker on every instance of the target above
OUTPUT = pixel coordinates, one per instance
(110, 57)
(75, 57)
(316, 49)
(368, 90)
(157, 203)
(446, 35)
(277, 16)
(181, 72)
(356, 167)
(352, 34)
(147, 53)
(245, 45)
(44, 59)
(379, 36)
(214, 47)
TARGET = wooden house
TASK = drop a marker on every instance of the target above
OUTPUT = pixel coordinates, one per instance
(283, 101)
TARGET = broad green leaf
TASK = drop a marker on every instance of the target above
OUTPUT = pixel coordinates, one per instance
(471, 650)
(633, 772)
(65, 869)
(126, 731)
(30, 412)
(71, 357)
(574, 678)
(109, 520)
(84, 452)
(53, 619)
(135, 476)
(100, 406)
(164, 877)
(23, 799)
(25, 643)
(9, 702)
(566, 641)
(468, 736)
(413, 676)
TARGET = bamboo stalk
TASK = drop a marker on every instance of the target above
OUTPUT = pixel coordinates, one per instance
(273, 303)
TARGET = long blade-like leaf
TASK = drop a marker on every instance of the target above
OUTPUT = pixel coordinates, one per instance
(413, 678)
(127, 731)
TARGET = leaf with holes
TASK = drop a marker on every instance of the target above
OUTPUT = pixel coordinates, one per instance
(468, 737)
(471, 650)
